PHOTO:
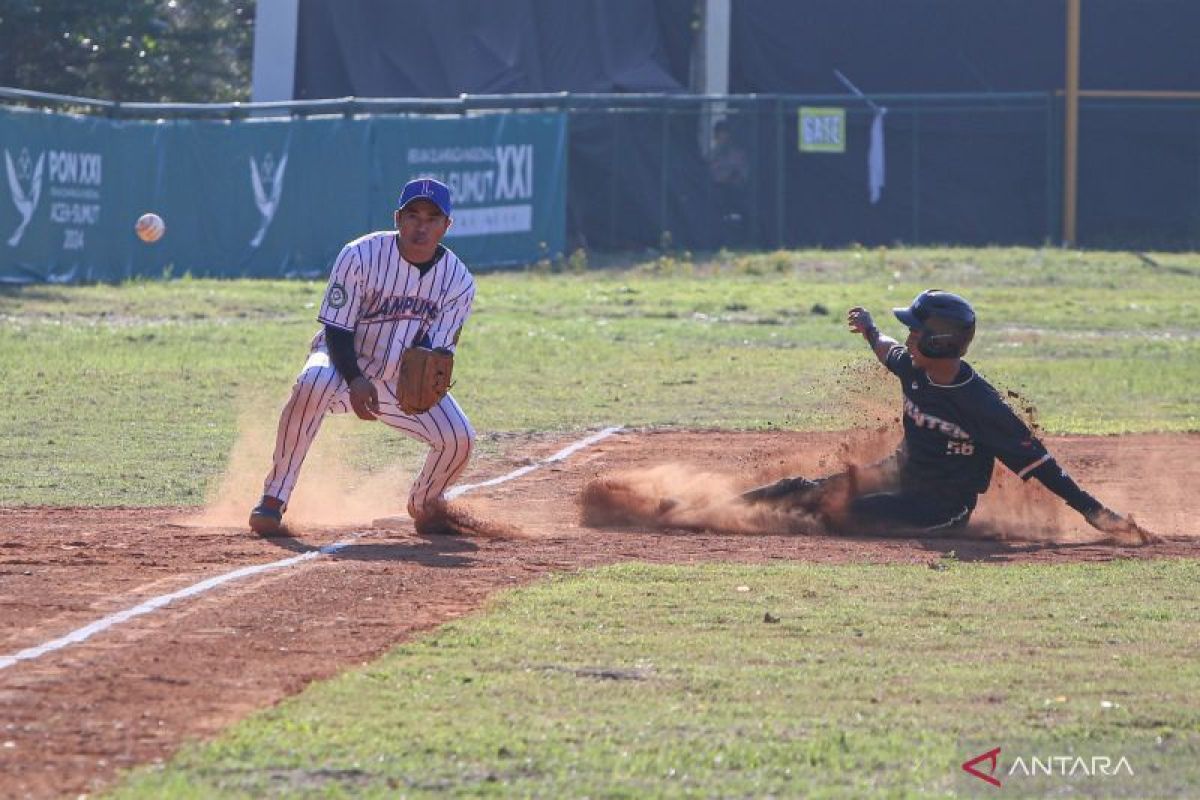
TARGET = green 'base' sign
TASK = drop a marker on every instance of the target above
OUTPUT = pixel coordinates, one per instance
(822, 130)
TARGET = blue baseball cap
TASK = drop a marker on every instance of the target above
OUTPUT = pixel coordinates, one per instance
(429, 189)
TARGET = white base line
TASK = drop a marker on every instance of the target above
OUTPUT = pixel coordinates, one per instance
(561, 455)
(112, 620)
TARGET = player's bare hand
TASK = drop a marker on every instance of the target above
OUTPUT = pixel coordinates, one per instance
(364, 398)
(1121, 530)
(859, 320)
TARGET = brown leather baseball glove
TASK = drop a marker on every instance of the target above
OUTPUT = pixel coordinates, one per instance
(424, 378)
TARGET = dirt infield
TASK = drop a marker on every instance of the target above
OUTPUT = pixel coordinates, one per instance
(75, 717)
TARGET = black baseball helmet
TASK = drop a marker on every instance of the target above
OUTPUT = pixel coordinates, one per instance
(945, 321)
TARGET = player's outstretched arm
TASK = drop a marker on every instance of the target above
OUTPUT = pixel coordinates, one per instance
(860, 322)
(1121, 529)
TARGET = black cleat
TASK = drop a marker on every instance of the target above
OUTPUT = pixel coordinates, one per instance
(790, 489)
(267, 517)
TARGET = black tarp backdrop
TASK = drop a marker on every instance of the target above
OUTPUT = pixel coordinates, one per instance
(889, 46)
(1139, 175)
(1139, 162)
(791, 46)
(423, 48)
(974, 177)
(443, 48)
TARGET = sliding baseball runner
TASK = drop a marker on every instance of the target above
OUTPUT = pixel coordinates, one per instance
(956, 426)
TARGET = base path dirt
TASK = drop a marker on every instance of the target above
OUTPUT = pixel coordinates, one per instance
(130, 695)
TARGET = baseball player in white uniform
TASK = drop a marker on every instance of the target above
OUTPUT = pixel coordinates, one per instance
(388, 291)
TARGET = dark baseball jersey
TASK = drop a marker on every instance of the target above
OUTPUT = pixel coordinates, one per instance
(954, 433)
(391, 305)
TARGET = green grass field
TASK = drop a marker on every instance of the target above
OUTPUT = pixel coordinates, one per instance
(130, 395)
(876, 681)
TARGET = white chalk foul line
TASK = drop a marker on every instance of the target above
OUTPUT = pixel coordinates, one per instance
(112, 620)
(561, 455)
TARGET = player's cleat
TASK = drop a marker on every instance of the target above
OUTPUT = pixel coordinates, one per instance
(667, 504)
(788, 488)
(436, 525)
(267, 517)
(433, 520)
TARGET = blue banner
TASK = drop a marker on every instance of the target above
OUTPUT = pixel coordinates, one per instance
(506, 173)
(265, 197)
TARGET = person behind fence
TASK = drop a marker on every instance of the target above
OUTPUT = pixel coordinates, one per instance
(392, 313)
(955, 427)
(729, 169)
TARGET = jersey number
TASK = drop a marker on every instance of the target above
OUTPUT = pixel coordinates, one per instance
(959, 448)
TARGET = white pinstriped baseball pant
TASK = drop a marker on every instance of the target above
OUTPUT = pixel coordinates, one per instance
(320, 390)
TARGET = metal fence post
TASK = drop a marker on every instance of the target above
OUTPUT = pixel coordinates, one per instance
(779, 173)
(753, 226)
(663, 176)
(916, 176)
(1051, 169)
(613, 172)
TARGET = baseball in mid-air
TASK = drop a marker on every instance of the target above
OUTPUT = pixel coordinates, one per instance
(150, 227)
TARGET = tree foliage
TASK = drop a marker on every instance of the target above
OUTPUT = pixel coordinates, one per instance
(129, 50)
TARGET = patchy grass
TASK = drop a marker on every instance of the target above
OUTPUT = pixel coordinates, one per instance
(637, 681)
(130, 394)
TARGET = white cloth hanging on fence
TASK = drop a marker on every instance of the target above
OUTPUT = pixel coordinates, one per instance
(875, 163)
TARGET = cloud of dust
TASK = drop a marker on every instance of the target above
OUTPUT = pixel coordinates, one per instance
(684, 497)
(1153, 479)
(1013, 510)
(844, 449)
(329, 492)
(1126, 473)
(678, 496)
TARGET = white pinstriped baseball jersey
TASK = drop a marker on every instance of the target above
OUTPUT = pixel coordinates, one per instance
(390, 305)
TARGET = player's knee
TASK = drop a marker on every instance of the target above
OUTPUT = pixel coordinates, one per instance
(459, 442)
(313, 385)
(464, 441)
(313, 379)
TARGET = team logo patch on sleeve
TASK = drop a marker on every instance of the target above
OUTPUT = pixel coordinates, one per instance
(337, 296)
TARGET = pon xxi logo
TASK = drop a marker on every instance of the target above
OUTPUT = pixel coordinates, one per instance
(25, 184)
(267, 181)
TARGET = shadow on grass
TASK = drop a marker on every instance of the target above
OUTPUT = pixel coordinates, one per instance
(32, 291)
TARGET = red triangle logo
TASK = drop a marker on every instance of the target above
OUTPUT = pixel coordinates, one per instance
(991, 756)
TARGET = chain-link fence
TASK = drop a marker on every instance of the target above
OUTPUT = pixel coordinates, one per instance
(764, 172)
(792, 171)
(767, 171)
